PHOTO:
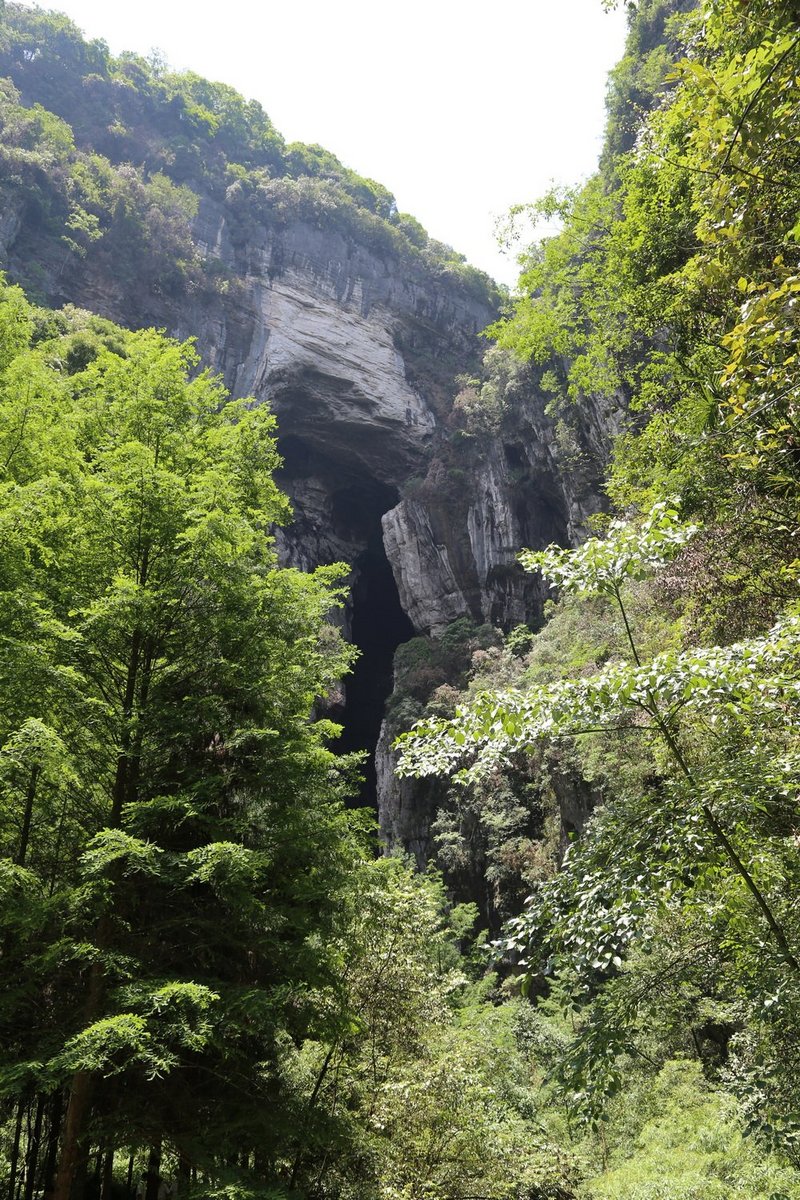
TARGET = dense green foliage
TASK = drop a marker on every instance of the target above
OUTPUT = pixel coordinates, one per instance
(207, 977)
(171, 832)
(670, 928)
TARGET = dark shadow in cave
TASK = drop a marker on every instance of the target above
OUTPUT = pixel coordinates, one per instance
(379, 624)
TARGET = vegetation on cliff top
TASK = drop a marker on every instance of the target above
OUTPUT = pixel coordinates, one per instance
(110, 158)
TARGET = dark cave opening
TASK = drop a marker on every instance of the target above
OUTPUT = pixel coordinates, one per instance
(350, 531)
(297, 458)
(379, 624)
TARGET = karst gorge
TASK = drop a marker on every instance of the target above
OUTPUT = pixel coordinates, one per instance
(399, 677)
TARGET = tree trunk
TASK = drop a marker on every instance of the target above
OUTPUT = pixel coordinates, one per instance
(184, 1174)
(34, 1142)
(153, 1172)
(12, 1178)
(107, 1174)
(52, 1146)
(27, 817)
(79, 1103)
(73, 1152)
(80, 1095)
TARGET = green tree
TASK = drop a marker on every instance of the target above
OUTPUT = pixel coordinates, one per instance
(174, 817)
(421, 1087)
(718, 727)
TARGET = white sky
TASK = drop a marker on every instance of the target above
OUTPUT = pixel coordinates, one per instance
(460, 107)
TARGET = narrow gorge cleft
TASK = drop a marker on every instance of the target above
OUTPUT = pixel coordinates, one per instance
(344, 505)
(378, 626)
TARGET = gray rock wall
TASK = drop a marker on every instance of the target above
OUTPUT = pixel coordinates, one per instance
(357, 354)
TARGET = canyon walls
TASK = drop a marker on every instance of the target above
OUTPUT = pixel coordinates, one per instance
(305, 290)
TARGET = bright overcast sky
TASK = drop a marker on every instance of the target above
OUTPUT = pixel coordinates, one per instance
(460, 107)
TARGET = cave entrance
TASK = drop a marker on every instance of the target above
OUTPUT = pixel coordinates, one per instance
(379, 624)
(338, 509)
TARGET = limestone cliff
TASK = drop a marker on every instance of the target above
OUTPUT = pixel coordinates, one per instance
(347, 348)
(453, 542)
(453, 547)
(305, 289)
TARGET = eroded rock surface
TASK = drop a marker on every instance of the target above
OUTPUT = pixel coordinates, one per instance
(357, 353)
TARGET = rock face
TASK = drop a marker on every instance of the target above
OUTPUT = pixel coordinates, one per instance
(357, 352)
(317, 327)
(10, 223)
(453, 553)
(406, 807)
(453, 549)
(430, 590)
